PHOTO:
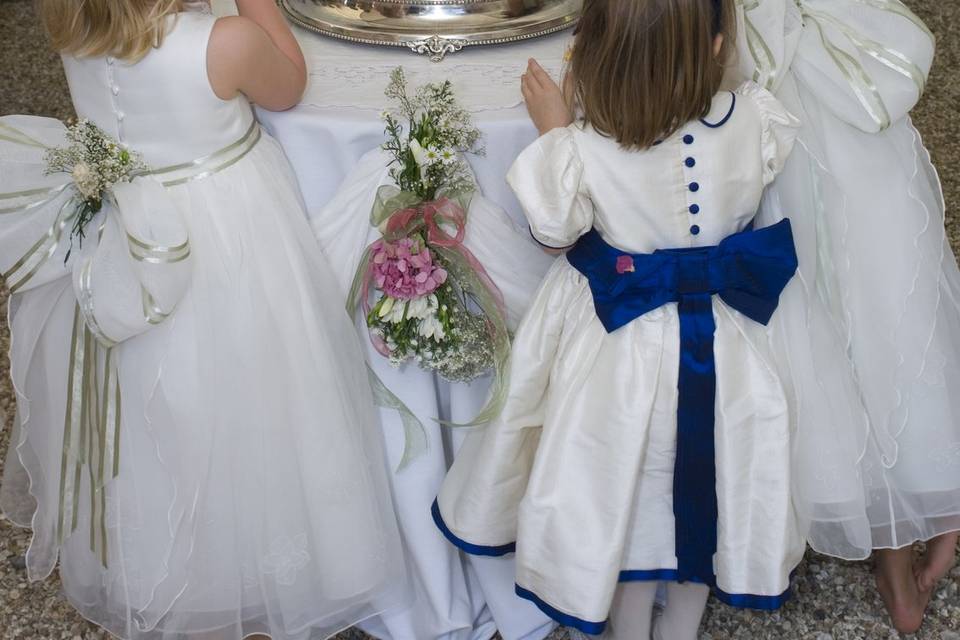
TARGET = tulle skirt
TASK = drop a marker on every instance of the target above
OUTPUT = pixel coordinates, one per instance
(868, 216)
(252, 494)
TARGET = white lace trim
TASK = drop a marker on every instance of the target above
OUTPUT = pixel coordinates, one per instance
(344, 74)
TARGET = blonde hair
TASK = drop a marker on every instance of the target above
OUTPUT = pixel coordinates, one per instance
(125, 29)
(644, 68)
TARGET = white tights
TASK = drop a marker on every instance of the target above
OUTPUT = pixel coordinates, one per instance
(631, 617)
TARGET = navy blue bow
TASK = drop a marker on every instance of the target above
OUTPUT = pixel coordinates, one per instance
(749, 271)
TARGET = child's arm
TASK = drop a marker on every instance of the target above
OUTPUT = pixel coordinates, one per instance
(545, 100)
(256, 54)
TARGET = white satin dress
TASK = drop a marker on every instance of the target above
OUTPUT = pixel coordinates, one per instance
(874, 251)
(577, 474)
(251, 493)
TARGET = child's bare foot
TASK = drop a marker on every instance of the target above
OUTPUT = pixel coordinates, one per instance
(940, 558)
(904, 599)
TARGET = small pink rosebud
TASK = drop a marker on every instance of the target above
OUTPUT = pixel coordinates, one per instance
(625, 265)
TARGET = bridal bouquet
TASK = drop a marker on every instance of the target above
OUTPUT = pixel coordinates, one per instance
(95, 162)
(425, 296)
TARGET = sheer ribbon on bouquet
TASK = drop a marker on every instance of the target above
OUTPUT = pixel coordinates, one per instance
(399, 214)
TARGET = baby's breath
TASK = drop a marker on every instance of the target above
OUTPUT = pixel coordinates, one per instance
(95, 163)
(432, 120)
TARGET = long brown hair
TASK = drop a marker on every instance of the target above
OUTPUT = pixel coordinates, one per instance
(641, 69)
(126, 29)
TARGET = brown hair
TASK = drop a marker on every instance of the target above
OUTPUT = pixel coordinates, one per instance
(641, 69)
(126, 29)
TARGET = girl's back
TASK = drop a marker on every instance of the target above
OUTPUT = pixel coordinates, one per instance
(246, 491)
(646, 434)
(163, 106)
(692, 189)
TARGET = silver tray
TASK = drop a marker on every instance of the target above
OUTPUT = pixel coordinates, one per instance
(433, 27)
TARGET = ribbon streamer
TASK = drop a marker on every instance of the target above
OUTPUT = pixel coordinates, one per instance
(91, 434)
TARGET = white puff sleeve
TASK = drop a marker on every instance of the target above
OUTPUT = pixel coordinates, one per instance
(779, 129)
(547, 179)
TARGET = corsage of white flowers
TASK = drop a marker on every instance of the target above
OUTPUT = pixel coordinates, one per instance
(95, 163)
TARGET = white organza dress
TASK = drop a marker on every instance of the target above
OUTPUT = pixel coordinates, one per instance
(251, 492)
(577, 476)
(874, 251)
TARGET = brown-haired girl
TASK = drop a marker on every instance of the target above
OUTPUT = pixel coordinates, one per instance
(645, 438)
(195, 438)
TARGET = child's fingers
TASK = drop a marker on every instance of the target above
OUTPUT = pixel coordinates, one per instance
(528, 86)
(531, 75)
(540, 74)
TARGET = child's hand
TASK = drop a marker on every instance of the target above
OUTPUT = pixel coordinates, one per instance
(545, 101)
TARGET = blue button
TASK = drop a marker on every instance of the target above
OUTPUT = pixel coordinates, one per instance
(694, 186)
(694, 209)
(690, 162)
(694, 229)
(688, 139)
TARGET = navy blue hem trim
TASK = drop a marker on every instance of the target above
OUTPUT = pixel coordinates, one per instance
(463, 545)
(659, 575)
(733, 105)
(739, 600)
(547, 246)
(567, 620)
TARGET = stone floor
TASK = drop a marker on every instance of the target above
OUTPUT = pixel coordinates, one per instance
(835, 600)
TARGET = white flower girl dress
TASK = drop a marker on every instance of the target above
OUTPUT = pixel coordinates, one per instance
(194, 421)
(589, 474)
(874, 251)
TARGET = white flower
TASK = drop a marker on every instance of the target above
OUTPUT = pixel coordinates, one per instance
(420, 156)
(431, 327)
(432, 155)
(86, 180)
(448, 156)
(392, 310)
(422, 307)
(419, 153)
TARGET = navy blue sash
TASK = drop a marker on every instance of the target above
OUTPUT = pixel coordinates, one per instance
(748, 270)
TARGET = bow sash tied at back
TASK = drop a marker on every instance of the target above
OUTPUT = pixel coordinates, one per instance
(748, 271)
(128, 276)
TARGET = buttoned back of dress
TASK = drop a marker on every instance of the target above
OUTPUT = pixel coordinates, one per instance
(693, 189)
(162, 106)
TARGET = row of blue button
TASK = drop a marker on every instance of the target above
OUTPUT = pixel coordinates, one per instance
(694, 186)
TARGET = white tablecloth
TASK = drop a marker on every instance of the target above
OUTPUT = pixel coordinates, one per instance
(324, 138)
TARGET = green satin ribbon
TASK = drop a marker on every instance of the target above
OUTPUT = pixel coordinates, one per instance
(12, 134)
(765, 64)
(36, 256)
(856, 75)
(91, 434)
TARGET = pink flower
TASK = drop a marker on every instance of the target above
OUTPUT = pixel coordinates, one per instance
(405, 269)
(625, 265)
